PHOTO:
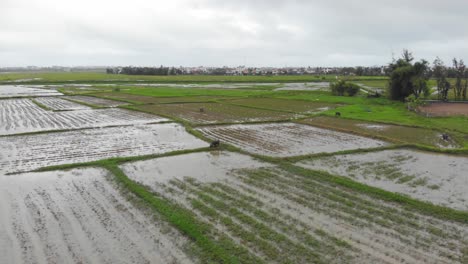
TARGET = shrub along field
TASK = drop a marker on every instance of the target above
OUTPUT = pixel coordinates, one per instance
(282, 187)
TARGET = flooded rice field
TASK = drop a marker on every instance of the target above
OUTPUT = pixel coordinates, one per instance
(287, 139)
(23, 116)
(246, 207)
(308, 86)
(280, 216)
(80, 216)
(436, 178)
(95, 101)
(7, 91)
(30, 152)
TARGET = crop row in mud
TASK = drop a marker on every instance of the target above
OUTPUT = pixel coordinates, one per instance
(22, 116)
(283, 217)
(437, 178)
(59, 104)
(142, 99)
(80, 216)
(287, 139)
(95, 101)
(209, 113)
(30, 152)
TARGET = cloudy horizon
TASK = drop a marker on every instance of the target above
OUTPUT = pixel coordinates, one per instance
(217, 33)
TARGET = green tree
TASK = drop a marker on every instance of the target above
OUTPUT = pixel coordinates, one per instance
(342, 87)
(440, 74)
(459, 67)
(408, 78)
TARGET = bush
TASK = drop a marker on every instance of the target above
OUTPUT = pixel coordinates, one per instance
(413, 103)
(342, 87)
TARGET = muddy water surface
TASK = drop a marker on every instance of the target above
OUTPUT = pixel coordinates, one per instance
(23, 91)
(79, 216)
(437, 178)
(205, 167)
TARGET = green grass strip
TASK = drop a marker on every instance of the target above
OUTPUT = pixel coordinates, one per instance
(181, 218)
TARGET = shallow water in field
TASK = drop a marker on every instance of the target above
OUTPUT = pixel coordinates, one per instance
(437, 178)
(79, 216)
(308, 86)
(204, 167)
(232, 192)
(7, 91)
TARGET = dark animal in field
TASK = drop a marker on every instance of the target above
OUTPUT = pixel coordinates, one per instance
(445, 137)
(215, 144)
(202, 110)
(375, 95)
(337, 114)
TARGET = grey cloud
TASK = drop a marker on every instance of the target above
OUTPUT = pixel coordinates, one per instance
(209, 32)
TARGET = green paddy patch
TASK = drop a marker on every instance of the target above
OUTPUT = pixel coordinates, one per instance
(395, 133)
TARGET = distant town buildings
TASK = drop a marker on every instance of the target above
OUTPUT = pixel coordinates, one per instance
(203, 70)
(243, 70)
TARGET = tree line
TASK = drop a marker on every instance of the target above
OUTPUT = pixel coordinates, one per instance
(144, 70)
(409, 77)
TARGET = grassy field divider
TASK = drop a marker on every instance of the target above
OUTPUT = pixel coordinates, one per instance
(43, 106)
(119, 160)
(406, 201)
(181, 218)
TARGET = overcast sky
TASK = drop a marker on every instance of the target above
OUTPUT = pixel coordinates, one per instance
(235, 32)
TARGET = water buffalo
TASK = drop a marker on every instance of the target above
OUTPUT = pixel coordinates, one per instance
(215, 144)
(445, 137)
